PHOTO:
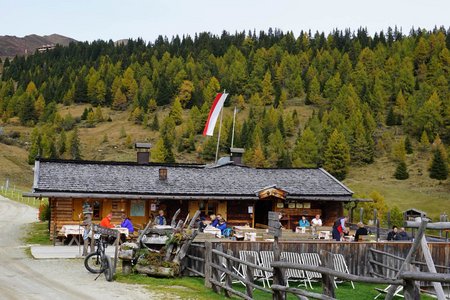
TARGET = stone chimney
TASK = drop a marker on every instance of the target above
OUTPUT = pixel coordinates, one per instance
(236, 155)
(163, 174)
(143, 152)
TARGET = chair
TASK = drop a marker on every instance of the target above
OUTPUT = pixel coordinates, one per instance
(242, 269)
(312, 259)
(293, 257)
(397, 292)
(266, 260)
(341, 266)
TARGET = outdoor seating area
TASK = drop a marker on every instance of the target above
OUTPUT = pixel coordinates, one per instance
(265, 258)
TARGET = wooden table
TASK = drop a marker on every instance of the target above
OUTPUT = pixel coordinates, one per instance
(75, 231)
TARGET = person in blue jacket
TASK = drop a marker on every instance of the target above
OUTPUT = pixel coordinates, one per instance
(222, 225)
(303, 222)
(126, 223)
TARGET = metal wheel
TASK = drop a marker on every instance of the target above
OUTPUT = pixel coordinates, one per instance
(93, 263)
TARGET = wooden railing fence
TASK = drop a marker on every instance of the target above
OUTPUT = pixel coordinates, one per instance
(220, 269)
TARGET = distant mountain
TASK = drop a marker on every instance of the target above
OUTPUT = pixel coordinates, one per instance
(12, 45)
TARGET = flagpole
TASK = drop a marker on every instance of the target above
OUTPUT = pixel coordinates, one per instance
(218, 136)
(232, 133)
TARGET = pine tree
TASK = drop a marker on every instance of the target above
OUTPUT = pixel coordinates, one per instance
(439, 167)
(408, 145)
(154, 125)
(73, 145)
(337, 155)
(36, 146)
(306, 150)
(401, 172)
(267, 89)
(62, 143)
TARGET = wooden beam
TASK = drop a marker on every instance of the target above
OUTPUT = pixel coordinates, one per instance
(295, 291)
(436, 225)
(430, 264)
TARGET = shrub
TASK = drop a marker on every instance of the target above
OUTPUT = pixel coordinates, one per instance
(44, 212)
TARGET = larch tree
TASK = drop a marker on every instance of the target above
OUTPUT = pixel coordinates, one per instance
(74, 145)
(176, 113)
(306, 150)
(337, 155)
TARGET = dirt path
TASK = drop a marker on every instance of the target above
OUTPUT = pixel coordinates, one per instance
(25, 278)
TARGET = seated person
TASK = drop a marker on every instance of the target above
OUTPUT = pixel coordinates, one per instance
(303, 222)
(402, 235)
(126, 223)
(392, 235)
(360, 231)
(222, 225)
(106, 221)
(316, 221)
(201, 224)
(214, 220)
(160, 219)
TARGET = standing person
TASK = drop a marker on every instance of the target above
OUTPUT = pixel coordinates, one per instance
(106, 221)
(160, 219)
(303, 222)
(222, 225)
(316, 221)
(126, 223)
(392, 235)
(339, 228)
(360, 231)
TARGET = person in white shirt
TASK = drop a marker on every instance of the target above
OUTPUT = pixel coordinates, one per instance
(316, 221)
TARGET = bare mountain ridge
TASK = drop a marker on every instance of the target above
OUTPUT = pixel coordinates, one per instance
(13, 45)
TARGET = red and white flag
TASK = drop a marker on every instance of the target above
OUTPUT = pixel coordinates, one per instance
(214, 114)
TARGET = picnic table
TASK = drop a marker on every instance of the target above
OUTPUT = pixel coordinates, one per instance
(76, 233)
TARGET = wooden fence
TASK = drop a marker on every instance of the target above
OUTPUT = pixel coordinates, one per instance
(356, 254)
(218, 264)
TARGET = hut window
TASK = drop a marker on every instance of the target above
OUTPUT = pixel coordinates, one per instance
(96, 208)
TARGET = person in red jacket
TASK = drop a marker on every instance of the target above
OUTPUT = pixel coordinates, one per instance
(106, 221)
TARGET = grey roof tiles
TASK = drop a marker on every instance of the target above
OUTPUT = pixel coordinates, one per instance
(131, 178)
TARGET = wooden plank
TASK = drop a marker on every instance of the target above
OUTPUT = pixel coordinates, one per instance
(208, 261)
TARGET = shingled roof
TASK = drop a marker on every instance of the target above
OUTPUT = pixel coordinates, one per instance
(59, 177)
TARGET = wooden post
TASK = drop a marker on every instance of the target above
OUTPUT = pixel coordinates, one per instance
(208, 248)
(228, 279)
(54, 233)
(327, 280)
(411, 254)
(411, 288)
(116, 252)
(92, 238)
(126, 266)
(249, 275)
(215, 272)
(432, 269)
(278, 273)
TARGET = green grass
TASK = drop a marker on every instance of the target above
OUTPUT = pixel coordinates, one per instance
(419, 191)
(193, 288)
(37, 233)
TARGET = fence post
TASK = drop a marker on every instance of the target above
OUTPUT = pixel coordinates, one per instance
(249, 275)
(327, 280)
(228, 279)
(278, 273)
(208, 248)
(215, 271)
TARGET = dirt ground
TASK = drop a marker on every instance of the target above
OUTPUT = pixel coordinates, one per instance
(24, 278)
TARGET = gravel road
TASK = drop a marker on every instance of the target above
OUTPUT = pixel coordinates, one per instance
(24, 278)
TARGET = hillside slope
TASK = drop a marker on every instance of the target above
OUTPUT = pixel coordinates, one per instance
(13, 45)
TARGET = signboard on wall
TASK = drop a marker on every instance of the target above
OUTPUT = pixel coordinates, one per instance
(137, 208)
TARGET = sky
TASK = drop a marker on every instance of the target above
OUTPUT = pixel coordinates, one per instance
(89, 20)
